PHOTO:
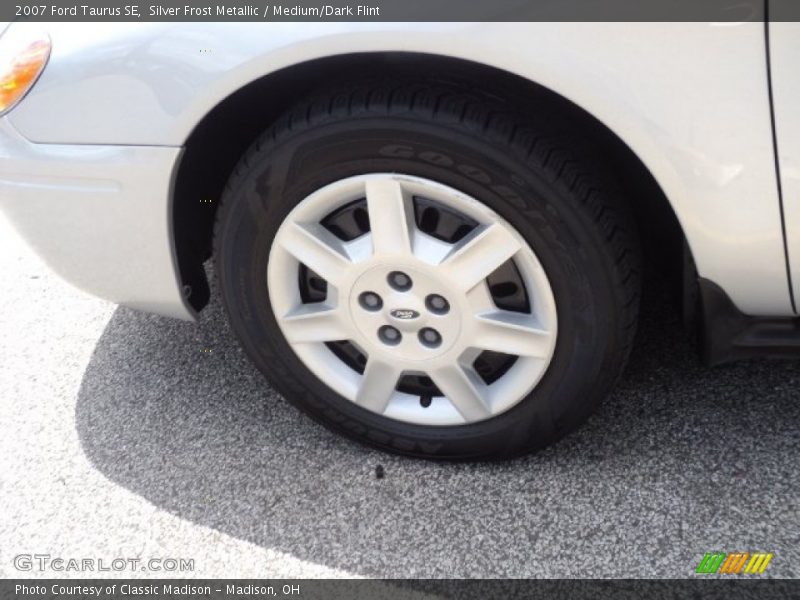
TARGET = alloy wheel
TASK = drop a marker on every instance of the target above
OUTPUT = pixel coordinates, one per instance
(412, 299)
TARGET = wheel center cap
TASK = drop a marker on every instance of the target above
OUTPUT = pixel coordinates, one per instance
(404, 324)
(404, 311)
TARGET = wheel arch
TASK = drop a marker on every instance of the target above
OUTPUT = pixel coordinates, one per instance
(223, 134)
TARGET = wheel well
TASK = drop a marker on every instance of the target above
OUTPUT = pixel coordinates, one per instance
(222, 137)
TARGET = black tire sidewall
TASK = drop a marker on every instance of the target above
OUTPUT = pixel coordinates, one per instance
(569, 245)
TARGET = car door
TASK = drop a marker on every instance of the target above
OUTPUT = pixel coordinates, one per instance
(784, 52)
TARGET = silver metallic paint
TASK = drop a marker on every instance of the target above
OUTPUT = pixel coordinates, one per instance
(690, 99)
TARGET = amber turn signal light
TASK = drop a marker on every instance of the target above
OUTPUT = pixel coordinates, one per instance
(23, 55)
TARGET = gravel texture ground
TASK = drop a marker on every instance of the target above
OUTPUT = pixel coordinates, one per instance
(126, 434)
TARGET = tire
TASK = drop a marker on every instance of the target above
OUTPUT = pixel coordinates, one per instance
(545, 186)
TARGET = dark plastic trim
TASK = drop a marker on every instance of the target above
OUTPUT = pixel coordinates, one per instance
(727, 334)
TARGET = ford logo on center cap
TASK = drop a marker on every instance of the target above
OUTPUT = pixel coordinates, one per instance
(404, 314)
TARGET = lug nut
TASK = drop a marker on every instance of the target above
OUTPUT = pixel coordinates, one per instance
(370, 301)
(399, 281)
(429, 337)
(389, 335)
(437, 304)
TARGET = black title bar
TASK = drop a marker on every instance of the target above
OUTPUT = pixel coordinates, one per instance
(724, 11)
(396, 589)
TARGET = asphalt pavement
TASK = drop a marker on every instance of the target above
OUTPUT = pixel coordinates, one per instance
(127, 434)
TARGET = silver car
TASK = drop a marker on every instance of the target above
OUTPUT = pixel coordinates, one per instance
(431, 237)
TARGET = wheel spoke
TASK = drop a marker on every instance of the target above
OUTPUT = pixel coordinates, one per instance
(377, 385)
(465, 390)
(315, 323)
(391, 217)
(318, 249)
(475, 257)
(511, 333)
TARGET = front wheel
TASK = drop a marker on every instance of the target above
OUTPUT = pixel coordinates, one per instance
(434, 282)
